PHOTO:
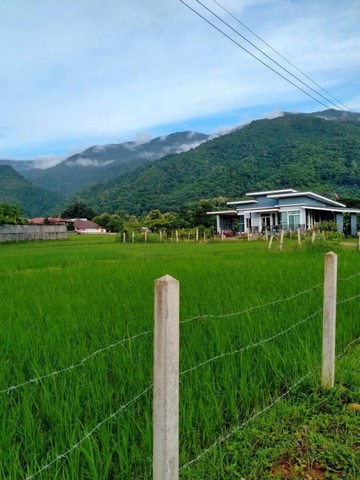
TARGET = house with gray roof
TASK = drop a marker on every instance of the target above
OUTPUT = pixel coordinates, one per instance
(283, 210)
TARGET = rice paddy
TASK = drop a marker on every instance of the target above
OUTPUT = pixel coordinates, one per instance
(76, 347)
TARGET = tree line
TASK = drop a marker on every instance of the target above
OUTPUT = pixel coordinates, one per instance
(193, 214)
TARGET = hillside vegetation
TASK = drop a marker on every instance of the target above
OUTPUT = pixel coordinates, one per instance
(318, 151)
(297, 151)
(102, 162)
(33, 200)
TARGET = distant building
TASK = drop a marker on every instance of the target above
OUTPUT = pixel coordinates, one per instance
(87, 226)
(48, 221)
(283, 209)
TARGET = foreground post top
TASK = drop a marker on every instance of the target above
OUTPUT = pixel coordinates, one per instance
(167, 278)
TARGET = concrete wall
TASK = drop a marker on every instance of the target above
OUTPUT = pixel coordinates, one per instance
(21, 233)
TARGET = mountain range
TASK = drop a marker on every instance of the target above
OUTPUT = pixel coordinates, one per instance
(318, 151)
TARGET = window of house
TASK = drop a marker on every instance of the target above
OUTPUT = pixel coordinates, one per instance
(294, 219)
(283, 219)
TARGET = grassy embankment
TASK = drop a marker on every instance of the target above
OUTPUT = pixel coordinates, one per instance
(64, 302)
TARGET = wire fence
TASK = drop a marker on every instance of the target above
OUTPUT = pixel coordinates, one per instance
(149, 388)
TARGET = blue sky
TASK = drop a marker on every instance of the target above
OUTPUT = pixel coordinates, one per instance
(85, 72)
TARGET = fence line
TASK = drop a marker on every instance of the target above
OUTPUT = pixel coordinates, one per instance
(124, 406)
(257, 414)
(253, 417)
(248, 347)
(89, 434)
(347, 299)
(77, 365)
(109, 347)
(128, 339)
(250, 309)
(207, 450)
(350, 276)
(222, 439)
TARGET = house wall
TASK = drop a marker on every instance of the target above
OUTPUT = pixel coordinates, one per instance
(263, 201)
(302, 200)
(22, 233)
(353, 224)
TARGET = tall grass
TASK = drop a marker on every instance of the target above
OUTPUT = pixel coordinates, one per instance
(62, 301)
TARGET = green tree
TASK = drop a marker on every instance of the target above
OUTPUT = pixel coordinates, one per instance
(78, 210)
(10, 214)
(131, 224)
(156, 220)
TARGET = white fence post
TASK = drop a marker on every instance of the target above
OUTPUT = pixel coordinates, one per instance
(270, 241)
(282, 239)
(329, 321)
(166, 380)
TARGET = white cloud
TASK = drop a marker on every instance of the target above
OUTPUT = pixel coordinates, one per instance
(142, 137)
(85, 73)
(46, 161)
(88, 162)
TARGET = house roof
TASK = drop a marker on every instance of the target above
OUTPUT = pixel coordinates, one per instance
(271, 192)
(306, 194)
(241, 202)
(224, 212)
(85, 224)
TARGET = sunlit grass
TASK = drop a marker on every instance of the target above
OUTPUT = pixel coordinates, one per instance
(62, 301)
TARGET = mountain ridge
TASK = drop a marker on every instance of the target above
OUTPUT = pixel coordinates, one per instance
(33, 200)
(100, 162)
(292, 151)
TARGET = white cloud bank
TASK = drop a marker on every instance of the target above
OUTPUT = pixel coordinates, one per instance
(90, 72)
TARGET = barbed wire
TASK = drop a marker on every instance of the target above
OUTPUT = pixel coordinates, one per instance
(89, 434)
(347, 299)
(256, 415)
(71, 367)
(248, 347)
(109, 347)
(347, 347)
(250, 309)
(220, 440)
(124, 406)
(253, 417)
(128, 339)
(349, 277)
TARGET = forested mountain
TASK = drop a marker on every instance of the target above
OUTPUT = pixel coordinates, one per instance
(102, 162)
(33, 200)
(293, 151)
(319, 151)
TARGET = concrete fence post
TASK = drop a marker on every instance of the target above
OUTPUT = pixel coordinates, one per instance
(124, 237)
(166, 380)
(282, 239)
(299, 236)
(270, 241)
(329, 321)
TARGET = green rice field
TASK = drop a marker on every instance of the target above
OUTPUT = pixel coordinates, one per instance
(76, 347)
